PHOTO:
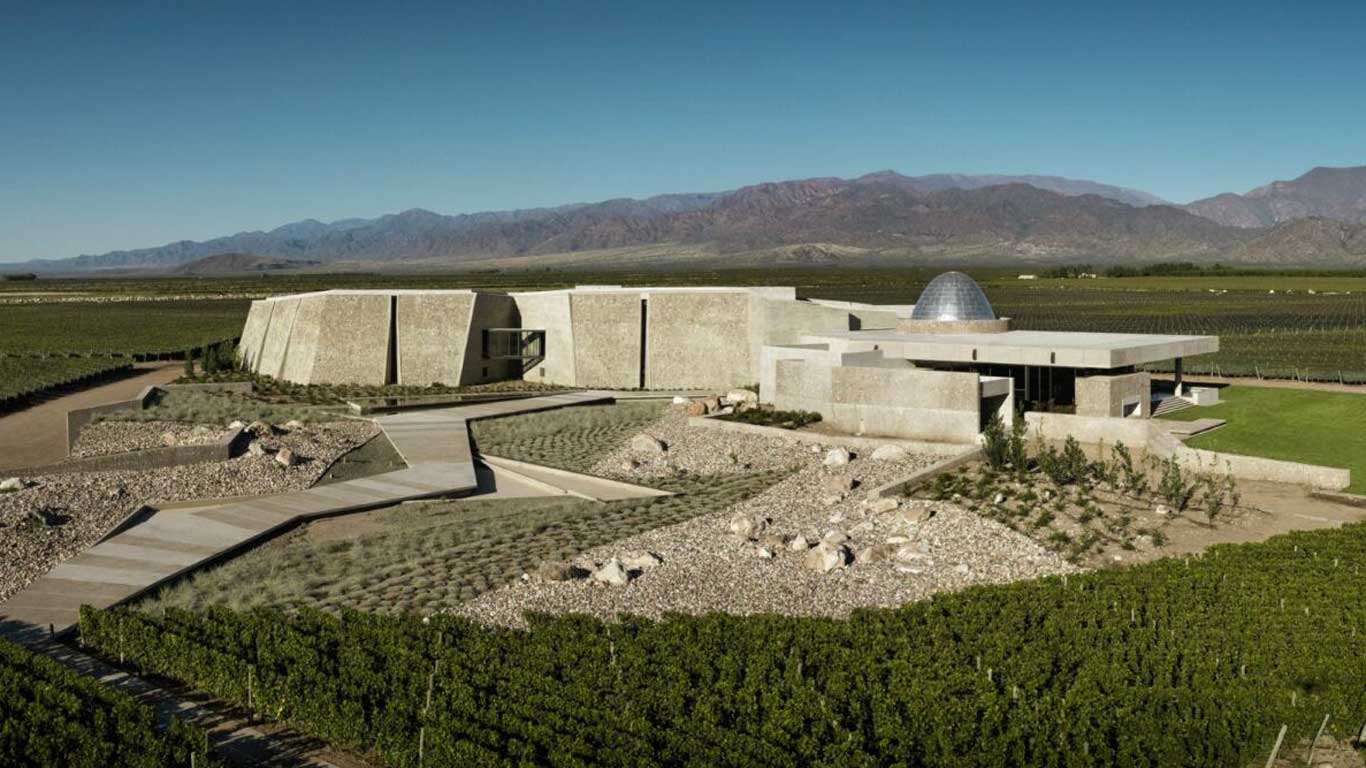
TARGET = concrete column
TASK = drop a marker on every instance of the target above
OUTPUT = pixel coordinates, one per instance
(1180, 367)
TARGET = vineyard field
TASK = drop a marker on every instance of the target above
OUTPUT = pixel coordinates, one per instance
(52, 717)
(21, 378)
(1183, 661)
(121, 327)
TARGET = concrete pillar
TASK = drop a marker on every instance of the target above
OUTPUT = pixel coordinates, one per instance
(1180, 367)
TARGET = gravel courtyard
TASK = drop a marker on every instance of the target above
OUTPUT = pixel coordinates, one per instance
(55, 517)
(896, 552)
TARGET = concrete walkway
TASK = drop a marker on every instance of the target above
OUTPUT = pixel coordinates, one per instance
(434, 444)
(36, 436)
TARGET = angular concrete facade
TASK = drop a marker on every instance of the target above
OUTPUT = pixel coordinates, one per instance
(604, 337)
(866, 369)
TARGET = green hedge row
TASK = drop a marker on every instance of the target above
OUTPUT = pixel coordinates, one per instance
(51, 716)
(1192, 661)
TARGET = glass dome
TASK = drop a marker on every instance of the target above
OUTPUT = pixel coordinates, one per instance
(953, 296)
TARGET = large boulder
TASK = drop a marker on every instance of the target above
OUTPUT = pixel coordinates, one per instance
(890, 453)
(713, 404)
(737, 396)
(261, 428)
(286, 458)
(836, 457)
(695, 408)
(559, 571)
(641, 561)
(645, 444)
(11, 484)
(611, 573)
(882, 505)
(826, 557)
(837, 484)
(747, 526)
(256, 448)
(918, 515)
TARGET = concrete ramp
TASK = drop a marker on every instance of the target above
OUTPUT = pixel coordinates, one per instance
(169, 544)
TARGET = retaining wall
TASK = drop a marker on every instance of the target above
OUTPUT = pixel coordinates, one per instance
(1152, 438)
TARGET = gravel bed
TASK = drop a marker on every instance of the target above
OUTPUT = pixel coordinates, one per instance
(708, 568)
(108, 437)
(83, 506)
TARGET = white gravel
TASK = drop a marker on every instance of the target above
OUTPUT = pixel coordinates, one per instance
(89, 503)
(108, 437)
(706, 568)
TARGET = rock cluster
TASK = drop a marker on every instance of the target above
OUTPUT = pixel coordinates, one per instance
(107, 437)
(56, 516)
(808, 545)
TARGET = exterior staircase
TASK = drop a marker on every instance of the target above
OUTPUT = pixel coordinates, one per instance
(1170, 404)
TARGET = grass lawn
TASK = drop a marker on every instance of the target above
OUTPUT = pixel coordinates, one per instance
(1309, 426)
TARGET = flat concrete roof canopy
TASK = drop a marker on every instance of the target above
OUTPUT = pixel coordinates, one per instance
(1046, 348)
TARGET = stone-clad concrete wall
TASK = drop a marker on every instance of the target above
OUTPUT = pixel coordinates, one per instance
(302, 351)
(254, 332)
(698, 340)
(277, 337)
(433, 337)
(353, 341)
(922, 404)
(695, 338)
(549, 312)
(907, 325)
(908, 402)
(606, 329)
(1107, 395)
(490, 310)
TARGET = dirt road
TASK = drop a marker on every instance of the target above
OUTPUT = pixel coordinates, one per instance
(36, 436)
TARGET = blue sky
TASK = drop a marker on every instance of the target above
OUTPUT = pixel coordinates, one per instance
(128, 125)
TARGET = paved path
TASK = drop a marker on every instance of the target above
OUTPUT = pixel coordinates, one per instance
(435, 445)
(36, 436)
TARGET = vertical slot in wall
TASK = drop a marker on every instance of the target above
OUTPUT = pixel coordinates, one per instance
(644, 319)
(391, 358)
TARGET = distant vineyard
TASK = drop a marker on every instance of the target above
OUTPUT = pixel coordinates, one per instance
(145, 328)
(1317, 337)
(52, 717)
(1185, 661)
(22, 379)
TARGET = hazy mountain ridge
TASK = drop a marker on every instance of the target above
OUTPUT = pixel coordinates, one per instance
(1334, 193)
(884, 217)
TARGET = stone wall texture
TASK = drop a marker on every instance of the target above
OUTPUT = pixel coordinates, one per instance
(352, 345)
(549, 312)
(906, 402)
(1107, 395)
(606, 329)
(698, 341)
(433, 336)
(998, 325)
(280, 327)
(254, 332)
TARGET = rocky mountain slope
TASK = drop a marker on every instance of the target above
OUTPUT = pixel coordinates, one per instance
(1334, 193)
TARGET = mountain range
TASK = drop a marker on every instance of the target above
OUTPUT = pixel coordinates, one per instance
(881, 218)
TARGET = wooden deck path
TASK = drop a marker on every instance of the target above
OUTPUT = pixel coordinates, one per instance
(434, 444)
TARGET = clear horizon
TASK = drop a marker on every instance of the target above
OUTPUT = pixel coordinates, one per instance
(138, 125)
